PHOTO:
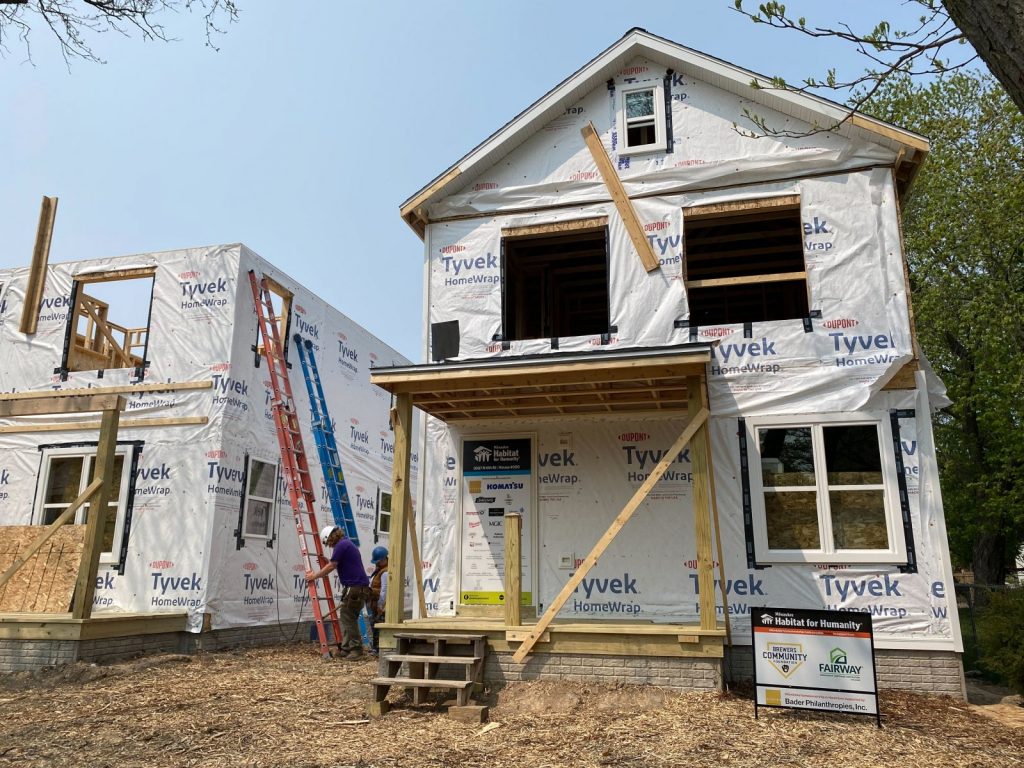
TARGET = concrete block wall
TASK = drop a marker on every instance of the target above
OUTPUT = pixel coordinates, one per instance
(28, 655)
(683, 674)
(920, 671)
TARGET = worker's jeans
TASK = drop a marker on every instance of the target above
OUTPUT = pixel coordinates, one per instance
(351, 604)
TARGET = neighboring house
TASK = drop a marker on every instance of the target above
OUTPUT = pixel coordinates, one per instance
(763, 279)
(200, 527)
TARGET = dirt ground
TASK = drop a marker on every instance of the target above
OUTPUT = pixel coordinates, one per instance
(284, 706)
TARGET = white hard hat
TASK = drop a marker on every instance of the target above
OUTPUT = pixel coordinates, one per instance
(326, 531)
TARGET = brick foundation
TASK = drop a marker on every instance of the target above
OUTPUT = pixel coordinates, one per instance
(921, 671)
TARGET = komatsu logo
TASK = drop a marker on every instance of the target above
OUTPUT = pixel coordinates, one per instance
(512, 486)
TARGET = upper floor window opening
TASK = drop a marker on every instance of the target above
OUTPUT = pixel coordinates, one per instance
(745, 261)
(109, 324)
(555, 280)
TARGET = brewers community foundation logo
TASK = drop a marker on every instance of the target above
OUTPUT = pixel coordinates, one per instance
(787, 658)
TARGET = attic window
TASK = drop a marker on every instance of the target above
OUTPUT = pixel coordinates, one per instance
(745, 261)
(555, 280)
(642, 119)
(109, 327)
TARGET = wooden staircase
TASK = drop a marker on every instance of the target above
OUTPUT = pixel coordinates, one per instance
(423, 656)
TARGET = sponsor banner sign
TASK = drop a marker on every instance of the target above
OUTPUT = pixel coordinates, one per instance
(497, 478)
(821, 660)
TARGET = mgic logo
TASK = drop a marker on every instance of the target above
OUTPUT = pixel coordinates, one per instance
(633, 437)
(484, 185)
(249, 566)
(714, 333)
(787, 658)
(841, 322)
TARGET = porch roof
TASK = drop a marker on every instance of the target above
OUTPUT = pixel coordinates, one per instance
(633, 381)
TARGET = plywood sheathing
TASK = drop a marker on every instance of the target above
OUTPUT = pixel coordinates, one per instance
(46, 582)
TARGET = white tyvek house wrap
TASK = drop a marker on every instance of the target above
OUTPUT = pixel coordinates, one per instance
(854, 261)
(183, 554)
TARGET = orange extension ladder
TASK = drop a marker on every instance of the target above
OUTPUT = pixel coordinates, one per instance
(294, 465)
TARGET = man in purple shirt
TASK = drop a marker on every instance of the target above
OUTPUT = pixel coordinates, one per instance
(346, 560)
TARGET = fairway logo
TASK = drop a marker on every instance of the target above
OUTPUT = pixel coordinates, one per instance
(787, 658)
(482, 453)
(839, 665)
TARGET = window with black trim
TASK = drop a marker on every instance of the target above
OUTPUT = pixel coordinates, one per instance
(642, 122)
(260, 489)
(383, 512)
(824, 491)
(555, 280)
(109, 324)
(66, 471)
(744, 261)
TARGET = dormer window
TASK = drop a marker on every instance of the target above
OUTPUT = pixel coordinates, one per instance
(642, 119)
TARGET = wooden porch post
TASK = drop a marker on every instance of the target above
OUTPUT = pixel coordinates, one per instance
(513, 569)
(103, 470)
(401, 508)
(701, 511)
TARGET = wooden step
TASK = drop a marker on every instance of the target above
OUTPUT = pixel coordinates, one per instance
(417, 658)
(415, 682)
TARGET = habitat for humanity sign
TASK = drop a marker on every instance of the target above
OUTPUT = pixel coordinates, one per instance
(814, 660)
(497, 478)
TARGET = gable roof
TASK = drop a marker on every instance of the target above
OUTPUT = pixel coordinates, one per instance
(911, 148)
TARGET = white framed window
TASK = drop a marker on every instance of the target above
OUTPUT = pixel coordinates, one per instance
(260, 490)
(66, 472)
(642, 126)
(383, 512)
(824, 489)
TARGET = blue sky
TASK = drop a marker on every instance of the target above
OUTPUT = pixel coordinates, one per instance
(302, 135)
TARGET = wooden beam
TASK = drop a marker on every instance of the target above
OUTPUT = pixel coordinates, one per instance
(620, 198)
(101, 326)
(76, 426)
(417, 563)
(401, 508)
(103, 470)
(556, 227)
(746, 280)
(119, 389)
(37, 272)
(413, 212)
(722, 583)
(701, 512)
(765, 204)
(696, 421)
(50, 530)
(890, 132)
(513, 569)
(112, 275)
(52, 405)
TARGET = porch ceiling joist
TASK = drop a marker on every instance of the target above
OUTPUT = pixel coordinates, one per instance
(571, 384)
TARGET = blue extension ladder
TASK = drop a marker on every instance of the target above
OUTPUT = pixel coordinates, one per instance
(326, 446)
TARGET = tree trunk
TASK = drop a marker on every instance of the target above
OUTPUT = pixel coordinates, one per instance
(996, 30)
(989, 560)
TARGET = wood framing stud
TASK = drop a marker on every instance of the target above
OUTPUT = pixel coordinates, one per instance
(44, 404)
(513, 569)
(696, 421)
(701, 510)
(620, 198)
(37, 272)
(401, 506)
(75, 426)
(121, 389)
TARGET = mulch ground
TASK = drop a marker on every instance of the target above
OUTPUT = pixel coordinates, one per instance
(284, 706)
